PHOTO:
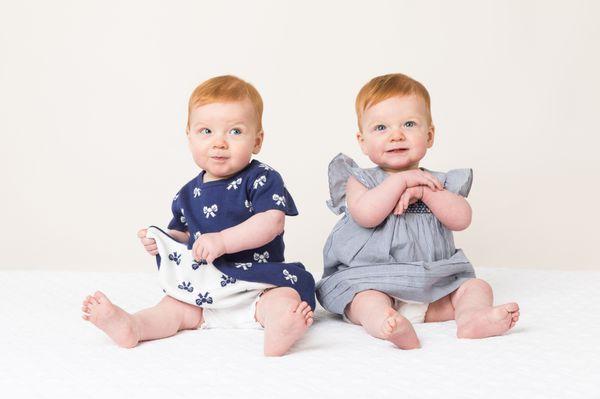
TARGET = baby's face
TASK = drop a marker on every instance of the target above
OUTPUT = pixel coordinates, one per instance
(223, 136)
(396, 133)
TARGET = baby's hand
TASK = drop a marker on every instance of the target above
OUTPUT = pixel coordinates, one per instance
(418, 177)
(410, 196)
(208, 247)
(148, 243)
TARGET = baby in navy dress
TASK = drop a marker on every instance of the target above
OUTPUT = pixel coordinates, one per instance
(221, 263)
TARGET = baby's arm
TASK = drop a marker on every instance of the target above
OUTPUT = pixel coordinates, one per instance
(180, 236)
(370, 207)
(451, 209)
(150, 243)
(255, 232)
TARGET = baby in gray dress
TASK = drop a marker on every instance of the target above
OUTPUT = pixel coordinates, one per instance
(391, 261)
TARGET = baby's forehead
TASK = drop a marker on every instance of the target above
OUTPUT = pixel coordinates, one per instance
(400, 105)
(225, 112)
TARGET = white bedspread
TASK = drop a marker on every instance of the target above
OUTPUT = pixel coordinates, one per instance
(49, 351)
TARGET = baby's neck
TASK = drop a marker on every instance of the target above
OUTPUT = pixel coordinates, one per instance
(392, 171)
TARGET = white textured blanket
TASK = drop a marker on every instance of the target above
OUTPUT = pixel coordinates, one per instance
(48, 351)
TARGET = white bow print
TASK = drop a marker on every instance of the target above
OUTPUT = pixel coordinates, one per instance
(210, 211)
(234, 184)
(289, 276)
(244, 266)
(279, 200)
(261, 258)
(260, 181)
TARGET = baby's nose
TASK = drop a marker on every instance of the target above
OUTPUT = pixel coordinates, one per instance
(219, 142)
(397, 134)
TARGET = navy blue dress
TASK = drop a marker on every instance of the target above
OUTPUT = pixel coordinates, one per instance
(208, 207)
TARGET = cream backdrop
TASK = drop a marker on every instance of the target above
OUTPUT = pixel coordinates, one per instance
(93, 108)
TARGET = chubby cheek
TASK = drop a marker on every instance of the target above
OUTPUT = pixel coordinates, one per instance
(241, 151)
(419, 151)
(199, 153)
(375, 151)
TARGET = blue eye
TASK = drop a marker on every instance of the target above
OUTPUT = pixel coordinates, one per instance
(205, 131)
(410, 124)
(380, 128)
(235, 132)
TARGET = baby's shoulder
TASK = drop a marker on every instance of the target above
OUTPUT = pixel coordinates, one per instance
(192, 187)
(258, 170)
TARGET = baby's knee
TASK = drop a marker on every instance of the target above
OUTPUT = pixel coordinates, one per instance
(284, 294)
(479, 284)
(369, 295)
(192, 317)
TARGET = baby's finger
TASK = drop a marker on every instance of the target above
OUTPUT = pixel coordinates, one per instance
(398, 208)
(205, 252)
(154, 253)
(437, 184)
(152, 247)
(210, 258)
(197, 251)
(431, 184)
(142, 233)
(148, 241)
(424, 180)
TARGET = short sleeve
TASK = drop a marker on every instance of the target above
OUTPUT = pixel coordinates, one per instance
(459, 181)
(267, 191)
(178, 221)
(340, 169)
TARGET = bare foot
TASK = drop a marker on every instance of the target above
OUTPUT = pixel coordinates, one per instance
(114, 321)
(488, 322)
(281, 332)
(399, 331)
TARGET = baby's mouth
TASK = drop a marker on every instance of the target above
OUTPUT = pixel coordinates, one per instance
(397, 150)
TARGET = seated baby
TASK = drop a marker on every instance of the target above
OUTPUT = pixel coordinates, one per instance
(221, 264)
(391, 261)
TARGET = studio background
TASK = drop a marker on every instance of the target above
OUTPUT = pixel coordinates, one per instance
(93, 102)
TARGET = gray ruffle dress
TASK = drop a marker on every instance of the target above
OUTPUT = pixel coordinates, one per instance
(410, 257)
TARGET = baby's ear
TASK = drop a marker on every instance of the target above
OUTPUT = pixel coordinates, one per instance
(361, 142)
(430, 136)
(258, 140)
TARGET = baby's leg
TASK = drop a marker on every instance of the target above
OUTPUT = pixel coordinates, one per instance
(285, 319)
(373, 310)
(476, 317)
(160, 321)
(471, 305)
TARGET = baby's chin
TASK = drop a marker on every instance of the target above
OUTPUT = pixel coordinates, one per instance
(222, 171)
(393, 167)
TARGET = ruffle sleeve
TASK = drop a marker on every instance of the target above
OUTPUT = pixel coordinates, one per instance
(340, 169)
(459, 181)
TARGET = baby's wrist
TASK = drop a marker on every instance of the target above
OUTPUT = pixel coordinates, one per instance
(426, 194)
(220, 236)
(400, 180)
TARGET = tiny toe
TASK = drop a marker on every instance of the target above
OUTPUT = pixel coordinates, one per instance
(301, 306)
(309, 314)
(93, 302)
(99, 296)
(309, 322)
(85, 317)
(85, 309)
(512, 307)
